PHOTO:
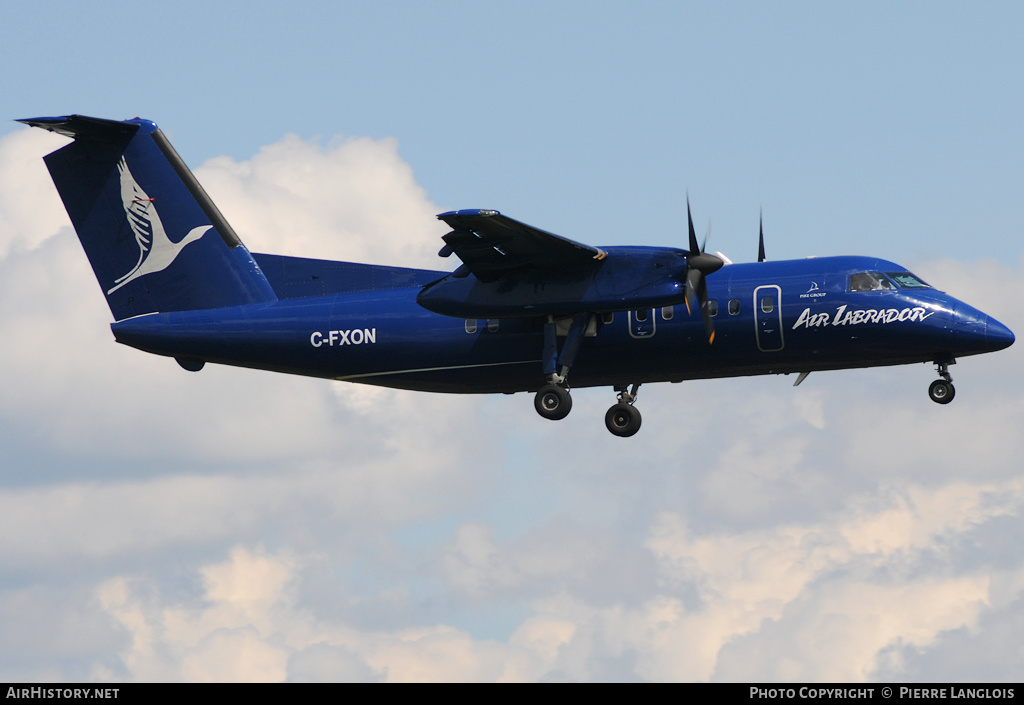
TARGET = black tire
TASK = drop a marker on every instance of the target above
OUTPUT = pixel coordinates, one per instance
(623, 420)
(941, 391)
(553, 402)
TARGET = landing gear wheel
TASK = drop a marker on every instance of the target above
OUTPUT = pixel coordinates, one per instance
(553, 402)
(941, 391)
(623, 420)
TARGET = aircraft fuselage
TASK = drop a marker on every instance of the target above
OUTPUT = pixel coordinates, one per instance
(772, 318)
(527, 310)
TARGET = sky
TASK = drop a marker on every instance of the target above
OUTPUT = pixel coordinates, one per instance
(160, 525)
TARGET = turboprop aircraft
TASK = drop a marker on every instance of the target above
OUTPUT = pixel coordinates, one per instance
(526, 311)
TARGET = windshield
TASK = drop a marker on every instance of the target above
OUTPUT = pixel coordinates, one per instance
(906, 280)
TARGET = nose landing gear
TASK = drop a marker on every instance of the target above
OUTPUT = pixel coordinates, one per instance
(941, 391)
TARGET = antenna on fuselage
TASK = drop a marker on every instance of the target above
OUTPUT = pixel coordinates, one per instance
(760, 239)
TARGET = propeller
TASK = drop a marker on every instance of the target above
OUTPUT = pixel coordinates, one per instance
(699, 264)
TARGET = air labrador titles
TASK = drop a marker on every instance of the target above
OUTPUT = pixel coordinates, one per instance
(526, 311)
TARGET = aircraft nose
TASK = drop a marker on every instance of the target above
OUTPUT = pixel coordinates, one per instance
(997, 336)
(976, 332)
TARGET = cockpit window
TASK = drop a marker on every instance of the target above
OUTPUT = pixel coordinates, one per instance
(906, 280)
(869, 281)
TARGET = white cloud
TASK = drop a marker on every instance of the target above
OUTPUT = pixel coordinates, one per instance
(247, 627)
(819, 602)
(30, 209)
(229, 639)
(352, 200)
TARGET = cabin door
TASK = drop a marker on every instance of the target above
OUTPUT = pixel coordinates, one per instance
(768, 318)
(641, 323)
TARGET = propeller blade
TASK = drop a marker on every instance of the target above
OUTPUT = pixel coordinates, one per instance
(693, 236)
(693, 281)
(697, 258)
(702, 296)
(698, 265)
(760, 238)
(697, 298)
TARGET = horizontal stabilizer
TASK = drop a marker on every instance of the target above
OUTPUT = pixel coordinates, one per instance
(76, 126)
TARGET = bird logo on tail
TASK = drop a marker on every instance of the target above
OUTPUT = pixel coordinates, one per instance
(156, 251)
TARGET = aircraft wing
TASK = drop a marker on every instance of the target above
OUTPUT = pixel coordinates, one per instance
(491, 244)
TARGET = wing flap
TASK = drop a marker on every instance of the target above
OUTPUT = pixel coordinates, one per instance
(491, 244)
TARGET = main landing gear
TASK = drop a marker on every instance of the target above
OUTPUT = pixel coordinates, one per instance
(553, 401)
(624, 419)
(942, 391)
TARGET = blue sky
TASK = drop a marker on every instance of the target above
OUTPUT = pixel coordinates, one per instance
(857, 126)
(159, 525)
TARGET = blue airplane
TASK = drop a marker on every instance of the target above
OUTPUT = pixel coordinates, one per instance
(527, 311)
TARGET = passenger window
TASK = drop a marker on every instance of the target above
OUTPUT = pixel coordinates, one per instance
(607, 317)
(641, 315)
(734, 307)
(471, 325)
(767, 304)
(492, 324)
(712, 307)
(667, 312)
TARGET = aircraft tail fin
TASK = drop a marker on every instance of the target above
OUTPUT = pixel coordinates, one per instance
(155, 240)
